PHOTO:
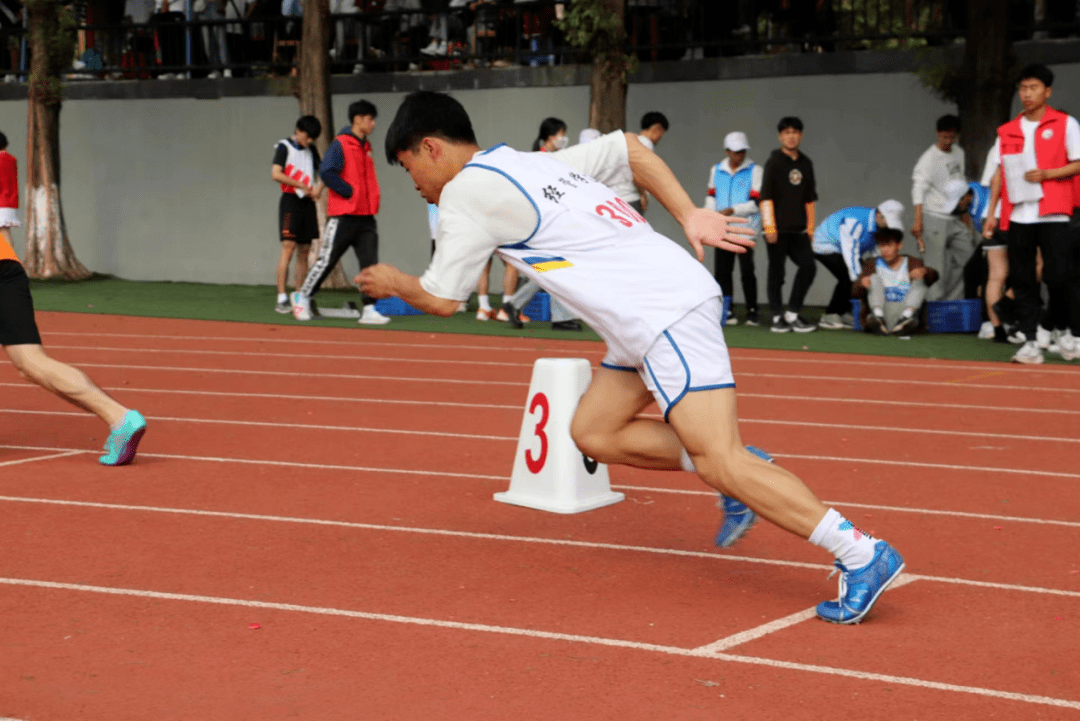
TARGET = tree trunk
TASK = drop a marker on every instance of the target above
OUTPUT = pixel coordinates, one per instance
(48, 250)
(314, 95)
(985, 93)
(607, 88)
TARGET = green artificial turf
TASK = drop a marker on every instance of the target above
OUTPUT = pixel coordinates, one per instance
(255, 304)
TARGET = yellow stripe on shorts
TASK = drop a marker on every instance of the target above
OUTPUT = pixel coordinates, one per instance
(551, 265)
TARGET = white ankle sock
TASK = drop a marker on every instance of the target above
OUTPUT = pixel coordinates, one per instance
(686, 463)
(908, 312)
(282, 297)
(790, 316)
(485, 303)
(879, 312)
(853, 546)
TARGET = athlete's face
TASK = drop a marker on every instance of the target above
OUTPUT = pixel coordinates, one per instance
(790, 138)
(889, 250)
(736, 158)
(1033, 94)
(423, 166)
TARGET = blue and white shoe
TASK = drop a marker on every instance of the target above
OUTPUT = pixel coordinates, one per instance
(859, 589)
(301, 307)
(122, 443)
(738, 518)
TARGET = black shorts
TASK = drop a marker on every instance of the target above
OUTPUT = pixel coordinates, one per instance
(297, 219)
(17, 326)
(998, 242)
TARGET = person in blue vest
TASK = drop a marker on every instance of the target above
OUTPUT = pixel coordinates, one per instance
(734, 189)
(840, 243)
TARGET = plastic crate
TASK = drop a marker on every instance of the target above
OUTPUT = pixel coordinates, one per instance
(539, 308)
(856, 310)
(954, 316)
(395, 306)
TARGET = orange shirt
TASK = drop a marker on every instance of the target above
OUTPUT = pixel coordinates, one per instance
(6, 251)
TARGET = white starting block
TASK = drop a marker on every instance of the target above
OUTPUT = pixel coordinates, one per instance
(550, 473)
(349, 310)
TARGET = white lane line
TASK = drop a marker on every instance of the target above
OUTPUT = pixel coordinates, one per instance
(475, 436)
(582, 347)
(832, 379)
(545, 635)
(41, 458)
(518, 407)
(290, 425)
(914, 464)
(292, 374)
(292, 397)
(752, 634)
(847, 504)
(320, 356)
(513, 539)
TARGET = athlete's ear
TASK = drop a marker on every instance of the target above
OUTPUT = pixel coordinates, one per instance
(431, 147)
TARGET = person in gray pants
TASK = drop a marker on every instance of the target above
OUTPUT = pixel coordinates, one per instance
(893, 286)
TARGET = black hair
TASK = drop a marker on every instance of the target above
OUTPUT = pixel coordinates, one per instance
(362, 107)
(789, 121)
(550, 126)
(883, 235)
(1039, 72)
(948, 122)
(425, 113)
(3, 142)
(652, 118)
(309, 124)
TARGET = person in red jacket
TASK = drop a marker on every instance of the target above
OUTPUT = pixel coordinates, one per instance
(1039, 153)
(348, 172)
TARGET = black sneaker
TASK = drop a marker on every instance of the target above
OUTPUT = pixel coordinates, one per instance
(512, 316)
(573, 324)
(779, 325)
(801, 325)
(906, 326)
(752, 317)
(875, 324)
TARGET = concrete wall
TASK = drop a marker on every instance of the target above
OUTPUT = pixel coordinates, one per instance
(179, 188)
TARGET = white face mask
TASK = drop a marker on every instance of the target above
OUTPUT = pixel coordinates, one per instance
(561, 142)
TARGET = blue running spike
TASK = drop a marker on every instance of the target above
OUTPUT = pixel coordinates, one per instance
(859, 589)
(122, 443)
(738, 518)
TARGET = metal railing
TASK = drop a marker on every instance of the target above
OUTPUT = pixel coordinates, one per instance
(503, 33)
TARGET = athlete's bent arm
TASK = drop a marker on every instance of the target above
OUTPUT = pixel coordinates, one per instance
(383, 281)
(702, 227)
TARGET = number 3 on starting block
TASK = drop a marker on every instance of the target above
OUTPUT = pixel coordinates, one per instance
(550, 473)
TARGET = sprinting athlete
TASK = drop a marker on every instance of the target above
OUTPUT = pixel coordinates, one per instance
(21, 341)
(656, 308)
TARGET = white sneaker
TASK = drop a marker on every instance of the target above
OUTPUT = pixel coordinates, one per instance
(213, 75)
(1018, 338)
(301, 307)
(484, 314)
(1043, 337)
(370, 316)
(227, 73)
(986, 330)
(462, 308)
(831, 321)
(1029, 354)
(1055, 341)
(1069, 346)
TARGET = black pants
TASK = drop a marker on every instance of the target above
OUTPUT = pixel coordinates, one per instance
(358, 232)
(1059, 251)
(840, 302)
(724, 274)
(797, 247)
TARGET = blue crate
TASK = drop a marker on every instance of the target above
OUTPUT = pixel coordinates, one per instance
(856, 310)
(954, 316)
(539, 308)
(395, 306)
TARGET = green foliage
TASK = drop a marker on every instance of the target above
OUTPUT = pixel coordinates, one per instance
(938, 76)
(57, 46)
(592, 27)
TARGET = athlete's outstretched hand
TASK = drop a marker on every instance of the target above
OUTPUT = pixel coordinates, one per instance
(727, 232)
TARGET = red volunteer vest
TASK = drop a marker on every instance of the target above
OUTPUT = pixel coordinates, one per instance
(1058, 194)
(359, 172)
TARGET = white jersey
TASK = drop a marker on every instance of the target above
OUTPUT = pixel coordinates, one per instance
(574, 237)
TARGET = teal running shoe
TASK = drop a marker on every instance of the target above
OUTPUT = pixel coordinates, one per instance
(738, 518)
(859, 589)
(121, 445)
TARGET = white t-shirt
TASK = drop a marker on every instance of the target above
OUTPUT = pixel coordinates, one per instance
(993, 160)
(934, 169)
(1028, 212)
(546, 216)
(647, 142)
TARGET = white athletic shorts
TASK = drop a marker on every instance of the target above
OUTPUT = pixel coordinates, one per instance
(9, 218)
(689, 356)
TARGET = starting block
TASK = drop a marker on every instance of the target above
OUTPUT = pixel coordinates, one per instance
(349, 310)
(550, 473)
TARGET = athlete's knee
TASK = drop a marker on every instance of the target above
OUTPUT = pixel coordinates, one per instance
(596, 444)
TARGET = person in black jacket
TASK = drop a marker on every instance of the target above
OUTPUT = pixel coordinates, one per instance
(788, 193)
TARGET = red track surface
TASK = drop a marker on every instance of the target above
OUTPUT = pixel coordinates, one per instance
(335, 488)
